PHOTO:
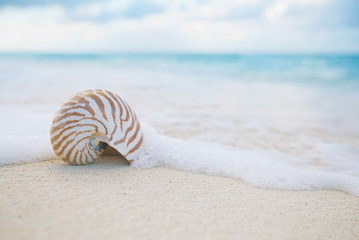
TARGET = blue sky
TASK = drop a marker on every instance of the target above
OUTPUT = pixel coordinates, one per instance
(217, 26)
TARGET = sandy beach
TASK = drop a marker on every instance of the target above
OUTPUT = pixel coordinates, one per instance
(110, 200)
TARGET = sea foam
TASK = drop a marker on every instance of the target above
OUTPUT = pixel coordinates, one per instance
(24, 135)
(262, 169)
(258, 168)
(22, 149)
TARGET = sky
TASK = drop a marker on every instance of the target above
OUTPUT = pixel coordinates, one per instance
(180, 26)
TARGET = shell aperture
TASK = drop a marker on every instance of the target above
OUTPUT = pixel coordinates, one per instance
(90, 121)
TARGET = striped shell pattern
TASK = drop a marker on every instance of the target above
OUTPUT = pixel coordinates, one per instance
(89, 121)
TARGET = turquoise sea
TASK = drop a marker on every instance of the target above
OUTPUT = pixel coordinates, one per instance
(314, 69)
(273, 120)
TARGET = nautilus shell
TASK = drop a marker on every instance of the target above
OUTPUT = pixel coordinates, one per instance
(90, 121)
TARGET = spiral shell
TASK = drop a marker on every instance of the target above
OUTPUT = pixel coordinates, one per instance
(89, 121)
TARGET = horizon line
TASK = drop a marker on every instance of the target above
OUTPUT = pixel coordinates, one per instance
(118, 53)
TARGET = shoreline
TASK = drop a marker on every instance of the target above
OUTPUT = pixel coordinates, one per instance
(108, 199)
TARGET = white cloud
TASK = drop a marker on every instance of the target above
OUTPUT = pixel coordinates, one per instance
(275, 11)
(95, 9)
(181, 26)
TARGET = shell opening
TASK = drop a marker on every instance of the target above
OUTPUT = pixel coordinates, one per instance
(97, 145)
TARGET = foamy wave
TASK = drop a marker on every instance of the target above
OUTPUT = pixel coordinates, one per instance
(24, 133)
(22, 149)
(261, 169)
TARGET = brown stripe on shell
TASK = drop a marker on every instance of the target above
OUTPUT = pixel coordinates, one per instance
(127, 113)
(80, 100)
(115, 97)
(56, 128)
(72, 148)
(113, 112)
(70, 114)
(134, 135)
(68, 143)
(137, 146)
(75, 157)
(127, 131)
(100, 105)
(54, 138)
(56, 146)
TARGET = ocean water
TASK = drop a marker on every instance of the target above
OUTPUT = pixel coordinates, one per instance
(276, 121)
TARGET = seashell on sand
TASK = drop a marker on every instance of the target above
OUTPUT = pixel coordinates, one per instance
(92, 120)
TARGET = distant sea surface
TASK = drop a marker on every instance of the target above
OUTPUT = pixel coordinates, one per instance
(278, 121)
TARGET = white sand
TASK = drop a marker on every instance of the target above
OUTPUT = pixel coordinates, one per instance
(109, 200)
